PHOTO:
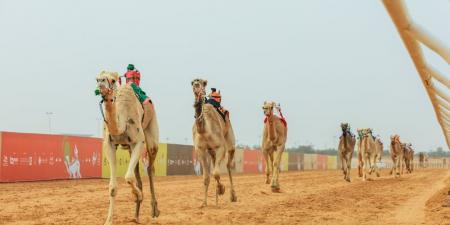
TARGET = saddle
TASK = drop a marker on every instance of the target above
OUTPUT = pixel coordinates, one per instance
(222, 111)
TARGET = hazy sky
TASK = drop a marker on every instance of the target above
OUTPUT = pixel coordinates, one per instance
(325, 61)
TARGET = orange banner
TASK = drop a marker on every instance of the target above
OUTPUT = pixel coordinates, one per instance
(32, 157)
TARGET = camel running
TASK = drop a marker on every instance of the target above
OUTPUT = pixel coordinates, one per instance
(273, 142)
(408, 155)
(214, 135)
(132, 125)
(367, 151)
(378, 153)
(396, 156)
(346, 147)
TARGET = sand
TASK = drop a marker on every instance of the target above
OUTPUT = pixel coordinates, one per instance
(315, 197)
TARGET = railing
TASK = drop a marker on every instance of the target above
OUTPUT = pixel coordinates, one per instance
(412, 34)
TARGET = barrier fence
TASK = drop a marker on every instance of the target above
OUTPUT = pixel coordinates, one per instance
(34, 157)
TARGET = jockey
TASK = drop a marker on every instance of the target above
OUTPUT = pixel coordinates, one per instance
(215, 98)
(133, 77)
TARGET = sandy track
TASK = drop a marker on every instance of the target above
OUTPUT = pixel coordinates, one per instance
(307, 198)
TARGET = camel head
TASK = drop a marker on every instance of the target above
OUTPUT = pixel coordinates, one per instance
(395, 139)
(363, 133)
(345, 127)
(268, 108)
(107, 82)
(198, 87)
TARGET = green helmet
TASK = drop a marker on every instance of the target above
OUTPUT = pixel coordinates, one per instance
(130, 67)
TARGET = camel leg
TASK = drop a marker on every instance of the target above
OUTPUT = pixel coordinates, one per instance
(233, 197)
(136, 150)
(348, 166)
(360, 165)
(364, 169)
(393, 167)
(151, 159)
(111, 155)
(276, 169)
(374, 165)
(206, 179)
(268, 164)
(377, 170)
(217, 159)
(401, 166)
(344, 165)
(137, 175)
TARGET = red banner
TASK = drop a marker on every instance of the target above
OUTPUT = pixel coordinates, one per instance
(31, 157)
(253, 161)
(322, 162)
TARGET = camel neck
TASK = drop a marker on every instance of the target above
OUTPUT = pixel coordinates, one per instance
(271, 127)
(111, 115)
(344, 136)
(199, 119)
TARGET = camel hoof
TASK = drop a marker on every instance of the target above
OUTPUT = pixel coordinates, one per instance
(275, 188)
(233, 197)
(378, 175)
(348, 180)
(204, 205)
(136, 221)
(220, 189)
(155, 211)
(267, 182)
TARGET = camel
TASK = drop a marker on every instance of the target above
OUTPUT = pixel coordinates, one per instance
(408, 153)
(346, 147)
(396, 156)
(212, 134)
(423, 159)
(360, 158)
(133, 126)
(379, 152)
(273, 143)
(367, 150)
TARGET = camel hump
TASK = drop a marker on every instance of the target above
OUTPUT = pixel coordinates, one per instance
(126, 93)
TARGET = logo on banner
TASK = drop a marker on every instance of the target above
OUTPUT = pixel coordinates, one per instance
(73, 166)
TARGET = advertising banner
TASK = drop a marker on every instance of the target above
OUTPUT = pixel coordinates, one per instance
(253, 161)
(332, 162)
(32, 157)
(179, 160)
(284, 164)
(238, 165)
(1, 157)
(295, 161)
(320, 163)
(310, 161)
(123, 160)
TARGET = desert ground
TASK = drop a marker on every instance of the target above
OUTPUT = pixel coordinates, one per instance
(314, 197)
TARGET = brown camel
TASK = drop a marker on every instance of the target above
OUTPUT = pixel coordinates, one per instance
(408, 153)
(378, 153)
(346, 147)
(367, 150)
(423, 159)
(134, 126)
(396, 156)
(212, 134)
(273, 142)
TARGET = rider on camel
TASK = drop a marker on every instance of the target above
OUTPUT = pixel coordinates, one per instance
(133, 77)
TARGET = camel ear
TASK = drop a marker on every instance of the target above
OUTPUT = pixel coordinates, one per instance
(192, 83)
(205, 82)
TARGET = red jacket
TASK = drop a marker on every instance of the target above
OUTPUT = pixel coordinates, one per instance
(133, 76)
